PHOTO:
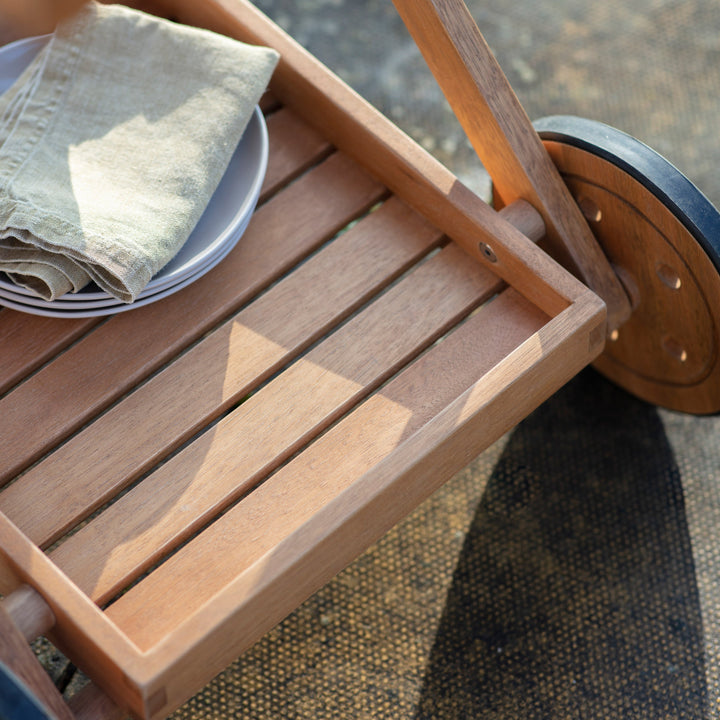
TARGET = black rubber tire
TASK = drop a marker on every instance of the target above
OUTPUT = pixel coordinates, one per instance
(648, 167)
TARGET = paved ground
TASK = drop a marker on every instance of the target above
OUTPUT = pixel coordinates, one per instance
(572, 571)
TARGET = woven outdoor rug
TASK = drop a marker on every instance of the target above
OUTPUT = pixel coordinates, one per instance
(570, 572)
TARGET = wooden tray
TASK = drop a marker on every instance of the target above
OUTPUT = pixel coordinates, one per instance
(179, 478)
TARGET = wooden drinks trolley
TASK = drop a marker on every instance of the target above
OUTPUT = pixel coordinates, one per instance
(177, 479)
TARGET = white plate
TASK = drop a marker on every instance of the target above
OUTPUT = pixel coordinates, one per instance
(226, 215)
(49, 309)
(216, 233)
(16, 56)
(109, 305)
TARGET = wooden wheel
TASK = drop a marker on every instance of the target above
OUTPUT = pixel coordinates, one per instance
(662, 236)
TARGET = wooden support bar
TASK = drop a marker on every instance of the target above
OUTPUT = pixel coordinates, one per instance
(504, 139)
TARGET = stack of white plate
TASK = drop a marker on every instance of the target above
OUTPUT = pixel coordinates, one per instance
(223, 222)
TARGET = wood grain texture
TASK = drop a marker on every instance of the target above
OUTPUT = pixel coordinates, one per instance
(503, 137)
(271, 425)
(297, 565)
(366, 444)
(28, 341)
(98, 462)
(359, 130)
(122, 351)
(330, 465)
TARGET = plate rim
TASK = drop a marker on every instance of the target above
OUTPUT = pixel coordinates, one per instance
(217, 246)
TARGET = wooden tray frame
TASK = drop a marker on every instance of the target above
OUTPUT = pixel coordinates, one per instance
(151, 682)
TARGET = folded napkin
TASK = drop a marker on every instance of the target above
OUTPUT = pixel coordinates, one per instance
(112, 142)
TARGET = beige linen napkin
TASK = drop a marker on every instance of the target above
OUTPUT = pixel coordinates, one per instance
(112, 142)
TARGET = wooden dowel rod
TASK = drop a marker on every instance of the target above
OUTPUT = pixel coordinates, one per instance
(30, 613)
(19, 658)
(504, 139)
(32, 617)
(523, 216)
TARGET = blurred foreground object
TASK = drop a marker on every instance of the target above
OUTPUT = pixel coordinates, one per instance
(23, 18)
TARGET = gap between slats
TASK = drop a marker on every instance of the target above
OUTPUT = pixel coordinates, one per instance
(296, 148)
(275, 509)
(112, 452)
(81, 382)
(273, 424)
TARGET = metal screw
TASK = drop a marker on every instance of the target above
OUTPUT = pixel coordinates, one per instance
(487, 251)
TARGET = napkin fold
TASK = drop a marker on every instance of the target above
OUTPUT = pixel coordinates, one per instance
(112, 142)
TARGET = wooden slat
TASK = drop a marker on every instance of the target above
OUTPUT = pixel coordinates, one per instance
(124, 442)
(273, 424)
(300, 563)
(330, 465)
(107, 363)
(295, 147)
(28, 341)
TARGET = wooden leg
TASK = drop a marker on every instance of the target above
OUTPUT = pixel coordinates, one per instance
(24, 616)
(504, 139)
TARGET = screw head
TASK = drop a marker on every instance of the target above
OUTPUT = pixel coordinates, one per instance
(487, 251)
